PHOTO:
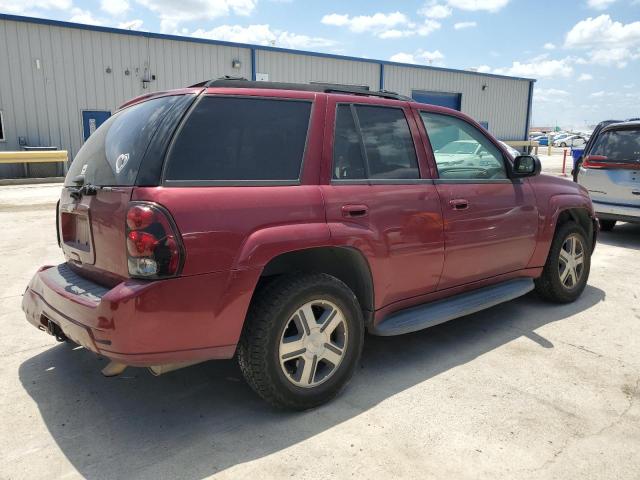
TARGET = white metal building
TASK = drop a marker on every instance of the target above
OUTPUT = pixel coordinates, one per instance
(60, 80)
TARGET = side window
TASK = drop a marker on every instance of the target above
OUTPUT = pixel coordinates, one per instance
(462, 152)
(348, 163)
(388, 143)
(375, 144)
(239, 139)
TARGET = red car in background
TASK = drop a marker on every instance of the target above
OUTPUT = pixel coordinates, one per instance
(279, 222)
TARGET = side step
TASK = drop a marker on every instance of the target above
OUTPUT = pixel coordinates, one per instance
(430, 314)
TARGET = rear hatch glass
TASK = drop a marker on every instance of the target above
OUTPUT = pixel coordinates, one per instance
(113, 154)
(619, 146)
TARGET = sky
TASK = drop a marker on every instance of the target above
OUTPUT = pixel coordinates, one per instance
(585, 54)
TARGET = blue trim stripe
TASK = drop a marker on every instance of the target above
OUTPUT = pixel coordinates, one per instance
(528, 124)
(253, 64)
(162, 36)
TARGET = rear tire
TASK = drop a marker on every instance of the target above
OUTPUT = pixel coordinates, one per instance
(566, 272)
(607, 225)
(293, 361)
(563, 145)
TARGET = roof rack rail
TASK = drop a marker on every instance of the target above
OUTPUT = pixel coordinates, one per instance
(241, 82)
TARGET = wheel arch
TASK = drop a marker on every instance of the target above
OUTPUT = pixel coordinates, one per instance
(347, 264)
(561, 209)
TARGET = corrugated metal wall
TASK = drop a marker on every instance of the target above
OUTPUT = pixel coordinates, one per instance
(503, 103)
(288, 67)
(45, 104)
(50, 73)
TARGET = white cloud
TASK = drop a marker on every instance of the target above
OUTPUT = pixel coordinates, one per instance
(419, 57)
(462, 25)
(482, 69)
(601, 94)
(383, 25)
(29, 6)
(473, 5)
(552, 91)
(550, 95)
(115, 7)
(367, 23)
(549, 46)
(602, 31)
(607, 42)
(542, 68)
(435, 10)
(585, 77)
(599, 4)
(262, 35)
(131, 24)
(84, 16)
(172, 13)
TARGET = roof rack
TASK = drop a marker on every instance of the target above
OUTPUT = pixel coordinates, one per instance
(241, 82)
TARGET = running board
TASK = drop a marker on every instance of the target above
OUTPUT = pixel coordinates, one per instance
(430, 314)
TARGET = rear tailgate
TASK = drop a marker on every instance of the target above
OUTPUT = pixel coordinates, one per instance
(611, 171)
(126, 150)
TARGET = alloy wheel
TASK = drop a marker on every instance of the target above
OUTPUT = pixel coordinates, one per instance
(571, 261)
(313, 343)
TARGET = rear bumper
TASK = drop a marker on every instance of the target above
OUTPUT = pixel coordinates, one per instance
(611, 211)
(143, 323)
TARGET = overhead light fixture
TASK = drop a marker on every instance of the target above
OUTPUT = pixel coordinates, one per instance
(235, 63)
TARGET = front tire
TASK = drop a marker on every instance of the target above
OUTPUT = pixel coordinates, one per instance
(566, 272)
(302, 340)
(563, 145)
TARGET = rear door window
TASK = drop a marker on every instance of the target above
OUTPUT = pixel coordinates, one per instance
(113, 154)
(373, 142)
(240, 139)
(619, 145)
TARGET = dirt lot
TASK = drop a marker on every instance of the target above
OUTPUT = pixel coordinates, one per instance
(523, 390)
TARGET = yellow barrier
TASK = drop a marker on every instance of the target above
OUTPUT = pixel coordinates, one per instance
(524, 143)
(41, 156)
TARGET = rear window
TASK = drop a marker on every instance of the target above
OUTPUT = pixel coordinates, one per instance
(241, 139)
(619, 145)
(112, 155)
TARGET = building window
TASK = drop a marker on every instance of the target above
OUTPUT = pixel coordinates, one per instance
(2, 137)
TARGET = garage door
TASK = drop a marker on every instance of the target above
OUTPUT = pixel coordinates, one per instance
(442, 99)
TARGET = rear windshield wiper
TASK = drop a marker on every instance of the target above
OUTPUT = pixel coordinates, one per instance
(83, 188)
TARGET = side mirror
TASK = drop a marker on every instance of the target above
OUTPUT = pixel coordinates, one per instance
(526, 166)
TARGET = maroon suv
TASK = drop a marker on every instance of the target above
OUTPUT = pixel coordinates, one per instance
(278, 222)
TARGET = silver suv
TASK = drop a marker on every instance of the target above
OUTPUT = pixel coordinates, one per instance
(610, 170)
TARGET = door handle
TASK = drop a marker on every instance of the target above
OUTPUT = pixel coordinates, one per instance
(355, 210)
(459, 204)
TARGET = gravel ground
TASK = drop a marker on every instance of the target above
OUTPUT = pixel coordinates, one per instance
(523, 390)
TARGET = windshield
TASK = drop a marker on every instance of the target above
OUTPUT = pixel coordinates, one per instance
(112, 155)
(619, 145)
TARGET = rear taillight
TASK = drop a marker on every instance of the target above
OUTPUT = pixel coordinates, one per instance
(154, 249)
(602, 162)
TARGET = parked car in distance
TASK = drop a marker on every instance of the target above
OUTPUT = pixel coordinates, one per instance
(610, 171)
(570, 141)
(542, 140)
(278, 222)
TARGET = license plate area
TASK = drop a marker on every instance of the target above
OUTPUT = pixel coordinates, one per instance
(75, 234)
